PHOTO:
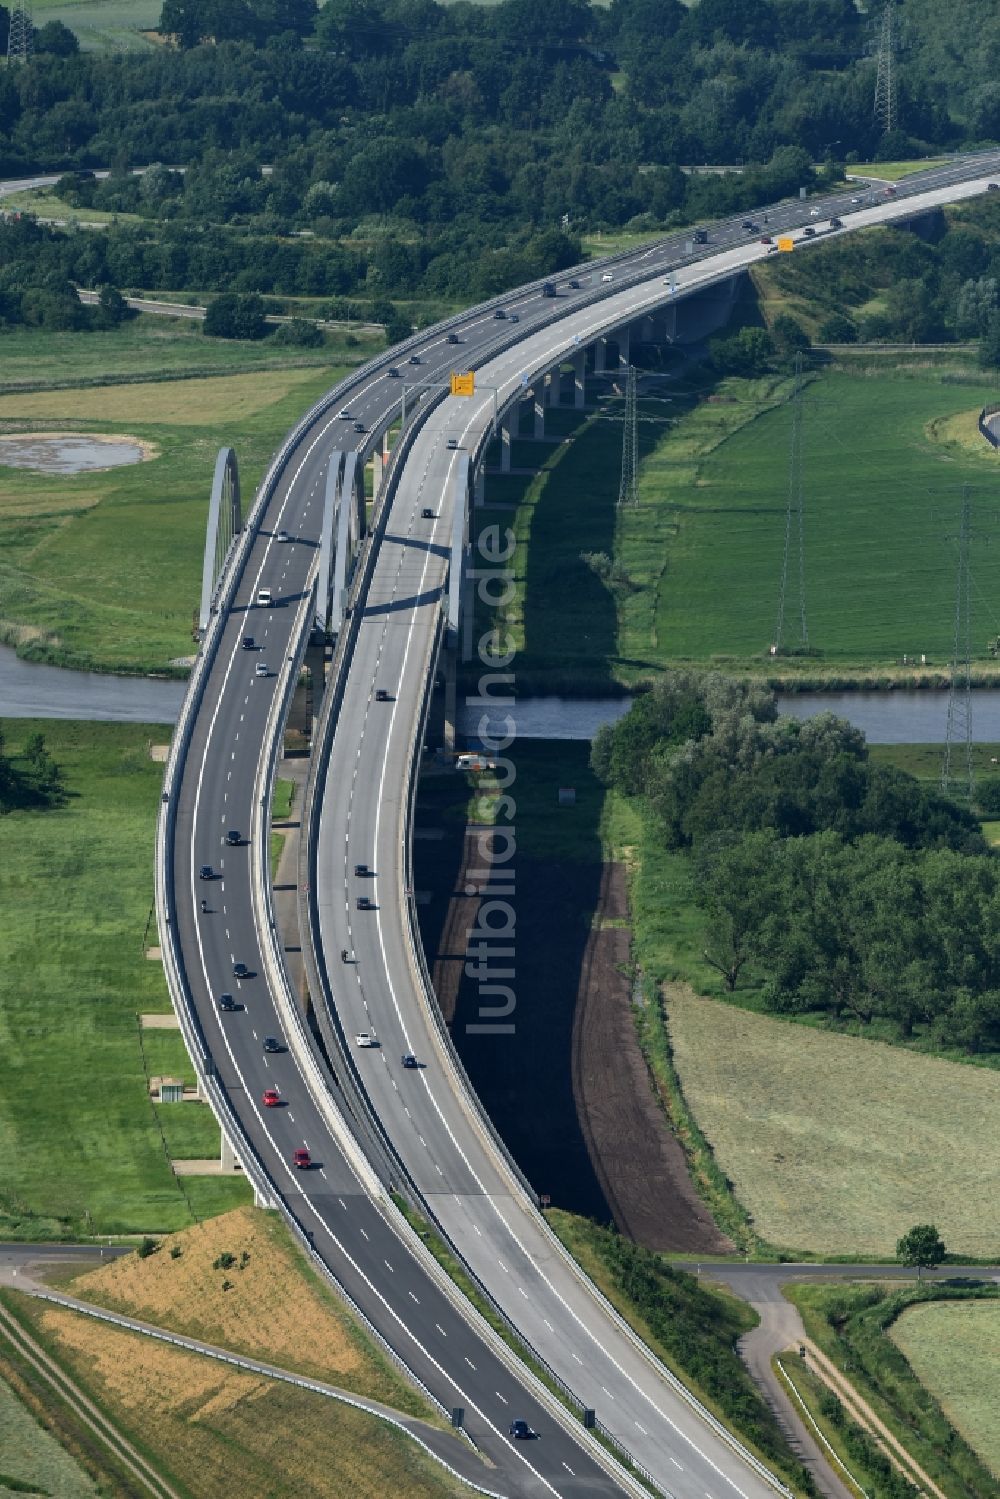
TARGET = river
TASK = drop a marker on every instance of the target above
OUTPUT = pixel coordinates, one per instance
(28, 690)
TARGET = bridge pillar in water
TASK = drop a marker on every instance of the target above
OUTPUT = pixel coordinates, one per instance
(580, 380)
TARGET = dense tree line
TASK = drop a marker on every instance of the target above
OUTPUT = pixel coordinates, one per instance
(942, 285)
(444, 149)
(841, 887)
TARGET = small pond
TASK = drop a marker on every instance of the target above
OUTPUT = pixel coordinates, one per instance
(69, 452)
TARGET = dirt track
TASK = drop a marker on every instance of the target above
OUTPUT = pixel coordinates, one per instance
(568, 1090)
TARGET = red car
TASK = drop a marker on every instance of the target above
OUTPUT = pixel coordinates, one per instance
(272, 1098)
(302, 1160)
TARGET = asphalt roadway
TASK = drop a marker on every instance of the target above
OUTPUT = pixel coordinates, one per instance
(216, 792)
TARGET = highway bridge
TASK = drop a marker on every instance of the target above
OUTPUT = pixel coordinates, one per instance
(394, 597)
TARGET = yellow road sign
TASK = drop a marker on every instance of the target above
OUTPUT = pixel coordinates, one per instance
(786, 243)
(463, 385)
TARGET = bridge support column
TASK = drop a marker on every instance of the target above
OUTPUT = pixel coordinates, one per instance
(624, 345)
(507, 430)
(550, 388)
(378, 463)
(315, 663)
(600, 355)
(449, 663)
(224, 522)
(480, 489)
(539, 411)
(227, 1157)
(580, 381)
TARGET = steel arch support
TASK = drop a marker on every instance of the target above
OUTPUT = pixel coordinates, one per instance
(225, 519)
(350, 525)
(459, 538)
(330, 500)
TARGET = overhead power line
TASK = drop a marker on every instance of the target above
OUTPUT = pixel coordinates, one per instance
(628, 489)
(886, 103)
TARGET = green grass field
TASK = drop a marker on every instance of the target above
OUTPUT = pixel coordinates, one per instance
(80, 1141)
(103, 570)
(31, 1460)
(834, 1144)
(885, 460)
(954, 1349)
(103, 25)
(892, 171)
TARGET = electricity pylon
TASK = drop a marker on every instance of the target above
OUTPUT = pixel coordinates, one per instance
(794, 522)
(628, 489)
(20, 33)
(886, 111)
(956, 767)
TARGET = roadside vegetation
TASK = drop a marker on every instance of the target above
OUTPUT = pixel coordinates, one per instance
(226, 1282)
(212, 1431)
(857, 1327)
(34, 1461)
(693, 1328)
(76, 895)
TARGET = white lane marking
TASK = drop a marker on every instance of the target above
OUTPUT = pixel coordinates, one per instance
(499, 1396)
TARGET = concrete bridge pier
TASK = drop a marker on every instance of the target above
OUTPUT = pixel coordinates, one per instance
(580, 380)
(538, 409)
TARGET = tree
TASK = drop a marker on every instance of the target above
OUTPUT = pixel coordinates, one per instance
(989, 344)
(922, 1246)
(235, 316)
(56, 38)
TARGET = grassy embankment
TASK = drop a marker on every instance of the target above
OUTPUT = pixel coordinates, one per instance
(76, 891)
(214, 1430)
(102, 570)
(701, 555)
(859, 1328)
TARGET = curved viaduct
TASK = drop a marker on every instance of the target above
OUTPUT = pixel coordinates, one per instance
(420, 1131)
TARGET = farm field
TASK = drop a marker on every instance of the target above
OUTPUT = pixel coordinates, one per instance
(835, 1144)
(76, 890)
(31, 1460)
(700, 558)
(220, 1432)
(103, 25)
(180, 1287)
(954, 1349)
(102, 570)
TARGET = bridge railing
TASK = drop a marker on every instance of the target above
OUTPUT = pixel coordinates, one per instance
(985, 416)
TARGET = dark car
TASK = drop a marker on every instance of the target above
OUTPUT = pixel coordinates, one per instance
(808, 232)
(227, 1002)
(272, 1044)
(249, 644)
(574, 283)
(452, 338)
(302, 1160)
(747, 224)
(206, 872)
(240, 971)
(234, 838)
(381, 696)
(549, 289)
(499, 314)
(409, 1060)
(836, 224)
(521, 1431)
(359, 426)
(993, 187)
(427, 513)
(766, 239)
(361, 870)
(393, 373)
(414, 358)
(514, 317)
(364, 904)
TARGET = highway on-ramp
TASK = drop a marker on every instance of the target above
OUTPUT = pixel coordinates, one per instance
(213, 788)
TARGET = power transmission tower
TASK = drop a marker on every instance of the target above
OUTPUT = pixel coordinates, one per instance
(958, 739)
(794, 522)
(885, 73)
(20, 34)
(628, 489)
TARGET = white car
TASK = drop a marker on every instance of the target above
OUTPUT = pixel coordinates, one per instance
(264, 598)
(343, 415)
(261, 669)
(814, 213)
(282, 536)
(607, 276)
(366, 1038)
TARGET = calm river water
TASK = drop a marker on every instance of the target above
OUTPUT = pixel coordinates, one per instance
(31, 691)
